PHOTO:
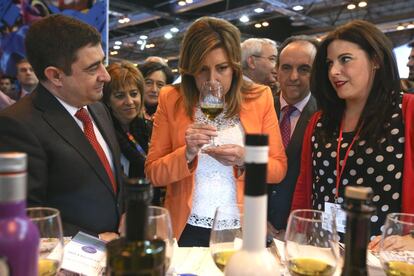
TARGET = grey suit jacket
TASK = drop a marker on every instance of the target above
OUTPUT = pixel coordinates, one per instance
(280, 195)
(64, 171)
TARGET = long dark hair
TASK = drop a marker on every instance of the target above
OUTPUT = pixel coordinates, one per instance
(384, 94)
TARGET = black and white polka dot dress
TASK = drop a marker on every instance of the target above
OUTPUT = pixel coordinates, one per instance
(379, 167)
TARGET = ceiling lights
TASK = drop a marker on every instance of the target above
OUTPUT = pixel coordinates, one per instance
(258, 10)
(263, 24)
(353, 5)
(297, 8)
(183, 3)
(244, 19)
(124, 20)
(402, 26)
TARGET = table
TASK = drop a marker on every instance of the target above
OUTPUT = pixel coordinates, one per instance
(198, 261)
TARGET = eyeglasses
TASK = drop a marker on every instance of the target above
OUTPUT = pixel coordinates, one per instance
(272, 59)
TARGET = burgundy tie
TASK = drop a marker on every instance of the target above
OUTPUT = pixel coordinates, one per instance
(84, 117)
(285, 124)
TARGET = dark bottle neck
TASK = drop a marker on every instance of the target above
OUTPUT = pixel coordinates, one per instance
(136, 220)
(357, 237)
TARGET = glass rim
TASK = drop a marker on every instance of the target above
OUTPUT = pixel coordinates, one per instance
(53, 213)
(162, 211)
(305, 211)
(396, 217)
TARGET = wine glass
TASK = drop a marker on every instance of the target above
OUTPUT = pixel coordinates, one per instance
(397, 244)
(212, 100)
(49, 224)
(311, 243)
(226, 234)
(159, 227)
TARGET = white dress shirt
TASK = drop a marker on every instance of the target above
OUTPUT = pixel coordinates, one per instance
(294, 117)
(72, 111)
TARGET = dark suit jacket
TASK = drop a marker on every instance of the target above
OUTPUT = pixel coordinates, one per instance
(280, 195)
(64, 171)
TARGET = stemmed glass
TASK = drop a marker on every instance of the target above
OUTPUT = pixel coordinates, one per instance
(159, 227)
(49, 224)
(311, 243)
(397, 244)
(212, 100)
(226, 234)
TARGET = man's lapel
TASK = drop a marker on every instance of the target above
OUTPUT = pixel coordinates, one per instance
(63, 123)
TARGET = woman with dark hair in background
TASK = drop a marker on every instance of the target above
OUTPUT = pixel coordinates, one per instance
(364, 133)
(156, 76)
(124, 96)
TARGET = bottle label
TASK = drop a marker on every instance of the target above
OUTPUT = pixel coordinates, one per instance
(256, 154)
(4, 267)
(333, 210)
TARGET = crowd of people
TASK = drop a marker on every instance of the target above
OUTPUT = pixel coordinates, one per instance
(334, 111)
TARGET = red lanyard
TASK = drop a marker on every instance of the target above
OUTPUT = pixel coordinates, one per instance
(339, 173)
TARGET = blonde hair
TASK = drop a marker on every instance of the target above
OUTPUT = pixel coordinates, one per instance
(204, 35)
(122, 74)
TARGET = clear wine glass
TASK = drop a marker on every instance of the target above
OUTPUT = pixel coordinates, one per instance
(212, 100)
(159, 227)
(49, 224)
(397, 244)
(311, 243)
(226, 233)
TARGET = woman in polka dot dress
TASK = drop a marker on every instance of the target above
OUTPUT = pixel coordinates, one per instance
(364, 133)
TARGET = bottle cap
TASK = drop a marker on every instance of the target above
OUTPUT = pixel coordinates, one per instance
(11, 162)
(12, 176)
(257, 140)
(360, 193)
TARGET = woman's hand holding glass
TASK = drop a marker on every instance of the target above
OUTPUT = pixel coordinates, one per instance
(311, 243)
(396, 248)
(196, 137)
(49, 224)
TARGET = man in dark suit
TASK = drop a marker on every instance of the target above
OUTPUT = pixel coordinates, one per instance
(294, 107)
(65, 130)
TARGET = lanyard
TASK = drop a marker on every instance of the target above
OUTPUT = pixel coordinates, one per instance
(137, 145)
(339, 173)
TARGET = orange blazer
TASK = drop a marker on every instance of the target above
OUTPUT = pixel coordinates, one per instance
(166, 164)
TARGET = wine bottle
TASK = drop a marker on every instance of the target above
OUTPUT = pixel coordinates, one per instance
(19, 237)
(358, 214)
(254, 259)
(134, 254)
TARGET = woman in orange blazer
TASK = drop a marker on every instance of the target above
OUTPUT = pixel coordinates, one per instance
(199, 179)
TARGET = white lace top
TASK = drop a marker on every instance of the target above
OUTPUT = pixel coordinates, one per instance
(215, 183)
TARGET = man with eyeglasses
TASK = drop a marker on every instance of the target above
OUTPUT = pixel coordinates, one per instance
(294, 107)
(259, 60)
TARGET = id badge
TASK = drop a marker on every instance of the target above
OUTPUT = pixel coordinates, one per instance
(335, 210)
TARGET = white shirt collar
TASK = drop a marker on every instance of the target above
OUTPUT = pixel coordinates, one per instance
(70, 108)
(299, 105)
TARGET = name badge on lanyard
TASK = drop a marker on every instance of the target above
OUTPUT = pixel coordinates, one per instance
(335, 210)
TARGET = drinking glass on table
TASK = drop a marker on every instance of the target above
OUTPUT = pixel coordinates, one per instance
(49, 224)
(212, 100)
(397, 244)
(311, 243)
(159, 227)
(226, 233)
